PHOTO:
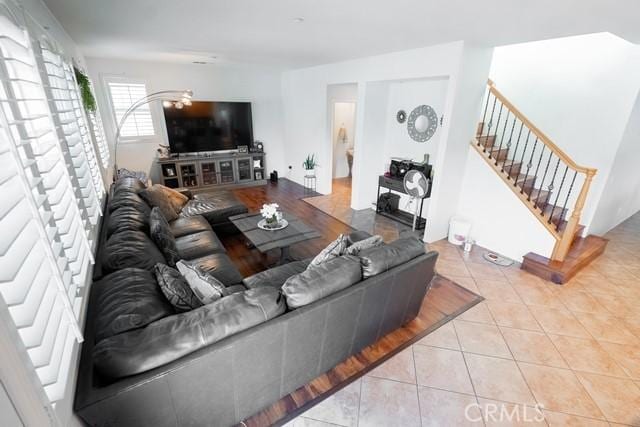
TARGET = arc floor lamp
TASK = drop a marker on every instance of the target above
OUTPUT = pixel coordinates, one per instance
(176, 98)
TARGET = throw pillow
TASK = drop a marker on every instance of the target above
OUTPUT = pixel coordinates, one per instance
(176, 198)
(333, 250)
(206, 287)
(160, 233)
(361, 245)
(175, 288)
(155, 197)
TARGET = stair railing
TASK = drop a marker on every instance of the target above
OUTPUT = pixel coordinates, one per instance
(542, 175)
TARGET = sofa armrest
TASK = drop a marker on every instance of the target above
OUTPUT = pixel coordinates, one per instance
(276, 276)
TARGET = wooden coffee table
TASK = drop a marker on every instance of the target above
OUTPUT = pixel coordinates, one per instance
(266, 240)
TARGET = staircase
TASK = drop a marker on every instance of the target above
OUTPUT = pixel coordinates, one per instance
(549, 183)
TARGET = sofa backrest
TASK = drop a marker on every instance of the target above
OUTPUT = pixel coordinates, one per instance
(236, 377)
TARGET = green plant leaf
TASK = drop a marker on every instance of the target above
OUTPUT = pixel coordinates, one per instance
(88, 100)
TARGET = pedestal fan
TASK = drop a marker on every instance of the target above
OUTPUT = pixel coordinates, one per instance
(416, 185)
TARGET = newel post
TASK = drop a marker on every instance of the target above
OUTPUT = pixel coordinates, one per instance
(564, 244)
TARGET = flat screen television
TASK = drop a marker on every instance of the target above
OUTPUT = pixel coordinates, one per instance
(209, 126)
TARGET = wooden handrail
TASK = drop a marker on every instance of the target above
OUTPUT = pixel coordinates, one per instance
(485, 145)
(537, 132)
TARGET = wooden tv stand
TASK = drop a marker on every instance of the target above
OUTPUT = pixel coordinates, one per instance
(219, 170)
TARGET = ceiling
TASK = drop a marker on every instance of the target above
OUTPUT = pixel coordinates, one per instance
(265, 31)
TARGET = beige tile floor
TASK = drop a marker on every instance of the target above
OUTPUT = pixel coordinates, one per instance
(575, 349)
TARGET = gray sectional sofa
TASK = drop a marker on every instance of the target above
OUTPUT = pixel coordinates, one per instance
(144, 364)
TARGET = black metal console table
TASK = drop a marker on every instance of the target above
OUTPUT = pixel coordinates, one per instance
(393, 184)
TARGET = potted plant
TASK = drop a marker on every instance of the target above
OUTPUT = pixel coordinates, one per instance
(271, 215)
(310, 165)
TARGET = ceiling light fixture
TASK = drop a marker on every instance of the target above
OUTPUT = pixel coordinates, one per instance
(298, 20)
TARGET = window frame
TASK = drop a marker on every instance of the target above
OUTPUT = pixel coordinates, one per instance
(110, 78)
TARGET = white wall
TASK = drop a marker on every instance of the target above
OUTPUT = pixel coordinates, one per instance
(344, 117)
(305, 98)
(621, 195)
(579, 91)
(407, 95)
(258, 85)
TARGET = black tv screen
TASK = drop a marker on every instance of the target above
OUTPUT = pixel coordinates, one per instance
(209, 126)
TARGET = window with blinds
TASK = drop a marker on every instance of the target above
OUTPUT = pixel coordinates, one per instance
(97, 131)
(45, 247)
(73, 136)
(123, 95)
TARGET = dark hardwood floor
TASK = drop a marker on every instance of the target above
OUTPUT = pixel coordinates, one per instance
(443, 302)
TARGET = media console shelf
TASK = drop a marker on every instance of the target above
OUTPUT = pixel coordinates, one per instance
(208, 170)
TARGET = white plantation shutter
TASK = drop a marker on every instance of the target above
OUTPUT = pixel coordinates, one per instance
(97, 131)
(45, 255)
(76, 145)
(123, 95)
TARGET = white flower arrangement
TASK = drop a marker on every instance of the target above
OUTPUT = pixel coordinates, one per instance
(270, 212)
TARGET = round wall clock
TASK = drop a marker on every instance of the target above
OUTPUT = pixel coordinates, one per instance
(401, 116)
(422, 123)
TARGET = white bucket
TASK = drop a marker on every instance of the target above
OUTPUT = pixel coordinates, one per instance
(459, 229)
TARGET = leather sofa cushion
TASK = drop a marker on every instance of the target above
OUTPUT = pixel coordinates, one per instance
(127, 218)
(362, 245)
(382, 258)
(130, 249)
(170, 338)
(128, 299)
(128, 184)
(276, 276)
(197, 245)
(130, 199)
(319, 281)
(215, 207)
(221, 267)
(184, 226)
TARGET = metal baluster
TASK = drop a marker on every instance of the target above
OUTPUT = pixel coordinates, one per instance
(536, 175)
(513, 126)
(484, 116)
(515, 152)
(497, 125)
(504, 130)
(551, 187)
(529, 164)
(526, 143)
(493, 109)
(546, 169)
(575, 174)
(564, 175)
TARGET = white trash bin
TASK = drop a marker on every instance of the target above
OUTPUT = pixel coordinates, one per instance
(459, 229)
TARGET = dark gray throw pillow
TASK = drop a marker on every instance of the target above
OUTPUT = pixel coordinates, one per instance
(176, 288)
(322, 280)
(160, 233)
(156, 197)
(382, 258)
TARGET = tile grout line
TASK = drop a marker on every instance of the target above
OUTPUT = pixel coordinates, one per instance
(464, 359)
(415, 374)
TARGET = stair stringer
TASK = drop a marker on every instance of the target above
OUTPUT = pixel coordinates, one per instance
(500, 220)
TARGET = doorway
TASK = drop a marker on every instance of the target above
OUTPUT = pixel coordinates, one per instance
(343, 131)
